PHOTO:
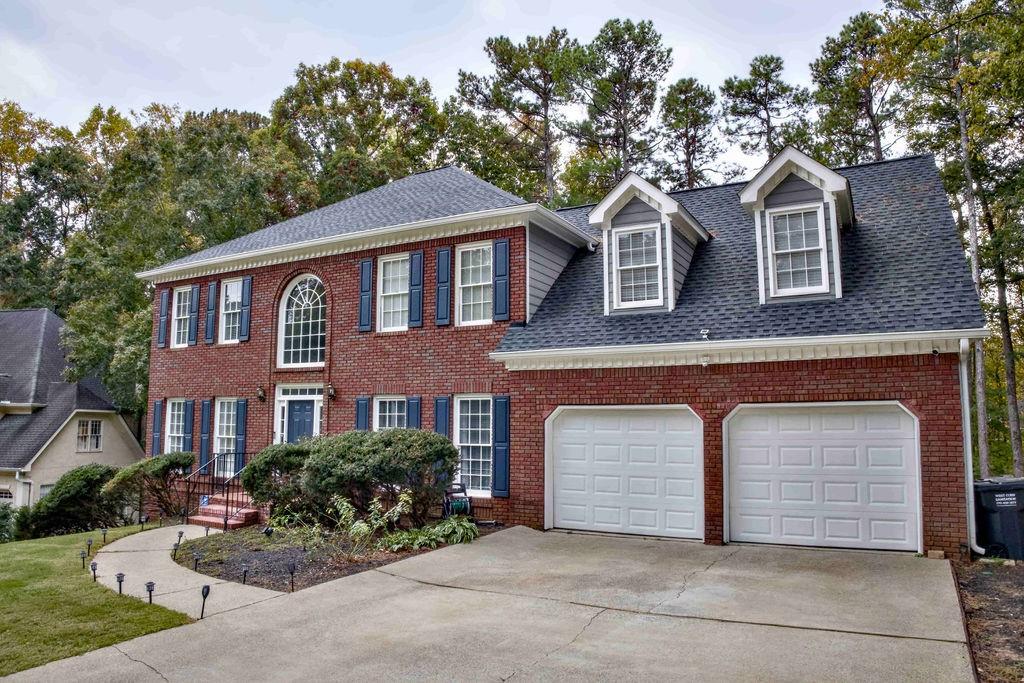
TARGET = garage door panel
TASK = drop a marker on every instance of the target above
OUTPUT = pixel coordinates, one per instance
(628, 470)
(843, 476)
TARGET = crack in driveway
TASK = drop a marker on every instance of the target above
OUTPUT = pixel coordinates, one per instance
(139, 661)
(686, 579)
(560, 647)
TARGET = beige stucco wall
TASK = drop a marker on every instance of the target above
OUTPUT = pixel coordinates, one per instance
(118, 448)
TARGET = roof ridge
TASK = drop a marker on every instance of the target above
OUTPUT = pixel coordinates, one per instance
(38, 358)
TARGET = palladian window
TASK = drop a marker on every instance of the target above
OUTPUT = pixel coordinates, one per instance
(302, 337)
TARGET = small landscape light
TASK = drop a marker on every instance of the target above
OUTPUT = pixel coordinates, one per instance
(88, 546)
(291, 570)
(81, 554)
(268, 531)
(161, 520)
(150, 586)
(92, 566)
(245, 573)
(174, 555)
(120, 580)
(143, 521)
(104, 532)
(207, 531)
(180, 534)
(206, 594)
(195, 564)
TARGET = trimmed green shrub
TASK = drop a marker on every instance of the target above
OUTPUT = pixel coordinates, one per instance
(420, 462)
(273, 477)
(77, 503)
(338, 466)
(156, 478)
(6, 523)
(23, 527)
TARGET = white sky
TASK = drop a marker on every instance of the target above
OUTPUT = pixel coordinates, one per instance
(59, 58)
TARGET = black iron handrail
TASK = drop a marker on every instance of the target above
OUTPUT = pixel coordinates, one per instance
(204, 483)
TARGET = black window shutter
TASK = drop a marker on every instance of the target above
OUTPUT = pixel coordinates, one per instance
(365, 294)
(442, 415)
(211, 313)
(241, 408)
(412, 412)
(246, 310)
(186, 441)
(501, 293)
(500, 474)
(363, 413)
(158, 424)
(161, 329)
(204, 435)
(443, 305)
(193, 316)
(416, 289)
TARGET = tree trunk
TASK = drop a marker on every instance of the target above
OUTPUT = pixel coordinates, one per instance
(972, 221)
(549, 167)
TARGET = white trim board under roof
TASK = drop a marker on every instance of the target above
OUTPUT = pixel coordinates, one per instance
(740, 350)
(632, 186)
(791, 160)
(434, 228)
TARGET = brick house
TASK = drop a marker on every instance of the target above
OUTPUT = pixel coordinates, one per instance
(774, 361)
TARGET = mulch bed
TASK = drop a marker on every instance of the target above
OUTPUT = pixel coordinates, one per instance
(993, 598)
(267, 559)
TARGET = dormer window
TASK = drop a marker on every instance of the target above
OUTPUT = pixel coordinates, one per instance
(638, 276)
(796, 239)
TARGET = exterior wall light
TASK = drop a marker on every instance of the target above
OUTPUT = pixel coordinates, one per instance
(261, 394)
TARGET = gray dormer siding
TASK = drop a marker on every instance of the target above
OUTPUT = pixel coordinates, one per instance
(682, 255)
(637, 212)
(795, 191)
(548, 257)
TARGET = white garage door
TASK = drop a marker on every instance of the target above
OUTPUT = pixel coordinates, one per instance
(841, 476)
(628, 470)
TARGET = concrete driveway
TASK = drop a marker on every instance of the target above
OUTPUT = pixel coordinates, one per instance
(554, 605)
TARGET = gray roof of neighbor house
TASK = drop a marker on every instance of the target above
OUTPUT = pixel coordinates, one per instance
(32, 365)
(443, 192)
(903, 270)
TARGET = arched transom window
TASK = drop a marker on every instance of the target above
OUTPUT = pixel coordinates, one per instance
(303, 329)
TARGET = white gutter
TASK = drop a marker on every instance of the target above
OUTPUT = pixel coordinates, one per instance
(965, 409)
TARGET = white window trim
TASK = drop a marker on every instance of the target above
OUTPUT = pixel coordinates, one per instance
(380, 292)
(616, 293)
(459, 322)
(174, 316)
(376, 409)
(281, 401)
(88, 449)
(167, 423)
(216, 421)
(822, 248)
(456, 400)
(222, 313)
(280, 325)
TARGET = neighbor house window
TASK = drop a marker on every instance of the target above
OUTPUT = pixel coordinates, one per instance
(638, 279)
(230, 311)
(303, 323)
(179, 326)
(90, 435)
(393, 294)
(224, 435)
(474, 284)
(44, 489)
(798, 261)
(389, 412)
(473, 439)
(175, 433)
(6, 494)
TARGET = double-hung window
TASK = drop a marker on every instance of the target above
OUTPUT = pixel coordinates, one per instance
(798, 259)
(389, 413)
(638, 262)
(179, 323)
(393, 294)
(224, 423)
(473, 438)
(90, 436)
(230, 311)
(174, 436)
(474, 284)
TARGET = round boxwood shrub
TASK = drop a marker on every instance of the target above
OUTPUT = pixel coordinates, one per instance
(338, 465)
(420, 462)
(156, 478)
(273, 477)
(77, 503)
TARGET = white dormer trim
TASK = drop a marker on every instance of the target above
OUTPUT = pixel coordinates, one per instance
(632, 186)
(791, 160)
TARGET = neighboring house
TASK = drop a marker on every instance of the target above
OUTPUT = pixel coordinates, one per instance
(49, 426)
(777, 361)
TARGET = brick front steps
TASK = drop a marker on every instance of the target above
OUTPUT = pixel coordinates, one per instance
(212, 514)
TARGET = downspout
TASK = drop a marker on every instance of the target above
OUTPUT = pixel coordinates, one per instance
(965, 409)
(17, 478)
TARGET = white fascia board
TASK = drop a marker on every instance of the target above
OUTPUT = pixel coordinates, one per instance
(434, 228)
(633, 185)
(833, 182)
(740, 350)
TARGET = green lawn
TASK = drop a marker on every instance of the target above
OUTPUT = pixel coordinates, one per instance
(52, 609)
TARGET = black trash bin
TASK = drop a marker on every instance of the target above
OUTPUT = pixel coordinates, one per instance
(999, 509)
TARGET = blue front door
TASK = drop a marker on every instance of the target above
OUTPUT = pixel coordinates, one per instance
(300, 420)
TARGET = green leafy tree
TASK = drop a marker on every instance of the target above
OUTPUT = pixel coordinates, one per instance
(355, 125)
(22, 137)
(532, 81)
(617, 81)
(689, 118)
(855, 109)
(762, 112)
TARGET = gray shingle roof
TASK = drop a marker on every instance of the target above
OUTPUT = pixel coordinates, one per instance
(903, 269)
(32, 356)
(447, 191)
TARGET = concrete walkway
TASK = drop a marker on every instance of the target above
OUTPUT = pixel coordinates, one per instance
(146, 556)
